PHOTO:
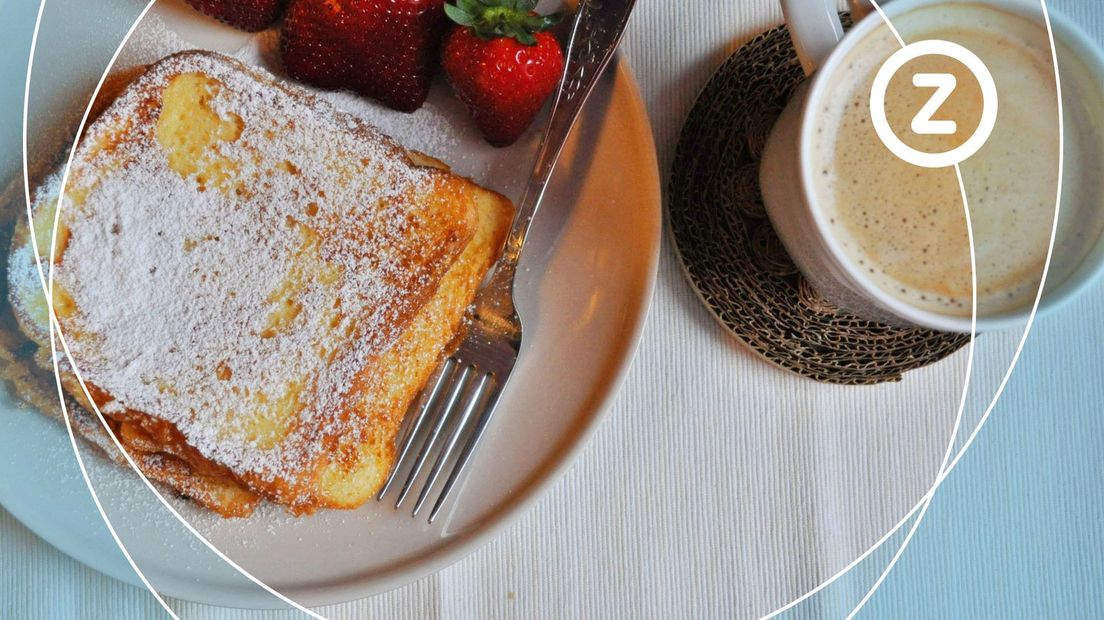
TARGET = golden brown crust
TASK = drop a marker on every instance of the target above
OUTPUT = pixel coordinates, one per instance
(465, 223)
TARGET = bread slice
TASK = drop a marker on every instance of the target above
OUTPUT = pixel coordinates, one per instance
(253, 284)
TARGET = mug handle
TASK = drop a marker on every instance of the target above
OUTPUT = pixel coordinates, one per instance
(816, 29)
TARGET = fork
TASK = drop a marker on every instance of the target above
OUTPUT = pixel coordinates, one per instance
(470, 382)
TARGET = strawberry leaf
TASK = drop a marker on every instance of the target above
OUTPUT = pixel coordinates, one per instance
(471, 7)
(459, 15)
(537, 23)
(491, 19)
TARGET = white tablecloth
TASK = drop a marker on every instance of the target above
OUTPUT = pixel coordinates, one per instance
(718, 484)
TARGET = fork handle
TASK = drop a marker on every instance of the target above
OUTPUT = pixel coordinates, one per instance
(596, 32)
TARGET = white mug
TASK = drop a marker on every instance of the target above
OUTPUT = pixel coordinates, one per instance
(786, 171)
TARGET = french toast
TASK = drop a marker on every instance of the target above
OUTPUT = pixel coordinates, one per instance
(253, 284)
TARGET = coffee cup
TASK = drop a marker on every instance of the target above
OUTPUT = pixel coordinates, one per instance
(883, 234)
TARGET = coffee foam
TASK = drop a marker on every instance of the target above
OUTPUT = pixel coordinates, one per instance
(905, 226)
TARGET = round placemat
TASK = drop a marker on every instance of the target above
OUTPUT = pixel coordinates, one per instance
(731, 254)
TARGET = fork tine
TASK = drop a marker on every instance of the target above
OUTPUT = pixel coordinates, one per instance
(443, 373)
(469, 447)
(457, 431)
(442, 418)
(424, 401)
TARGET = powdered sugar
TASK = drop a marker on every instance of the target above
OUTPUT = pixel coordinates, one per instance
(176, 280)
(441, 128)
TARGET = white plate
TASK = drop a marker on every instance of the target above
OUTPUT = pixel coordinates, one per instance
(587, 278)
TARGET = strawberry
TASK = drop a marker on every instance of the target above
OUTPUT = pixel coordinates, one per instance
(503, 63)
(248, 15)
(385, 49)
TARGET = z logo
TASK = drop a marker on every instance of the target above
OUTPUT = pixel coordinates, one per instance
(944, 85)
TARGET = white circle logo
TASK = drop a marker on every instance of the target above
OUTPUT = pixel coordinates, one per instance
(944, 84)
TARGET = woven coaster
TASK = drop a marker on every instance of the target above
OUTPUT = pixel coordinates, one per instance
(731, 254)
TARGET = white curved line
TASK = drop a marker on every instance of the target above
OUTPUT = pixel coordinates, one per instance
(1050, 248)
(26, 158)
(1007, 375)
(961, 406)
(965, 391)
(1034, 309)
(846, 569)
(885, 18)
(56, 334)
(49, 303)
(92, 490)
